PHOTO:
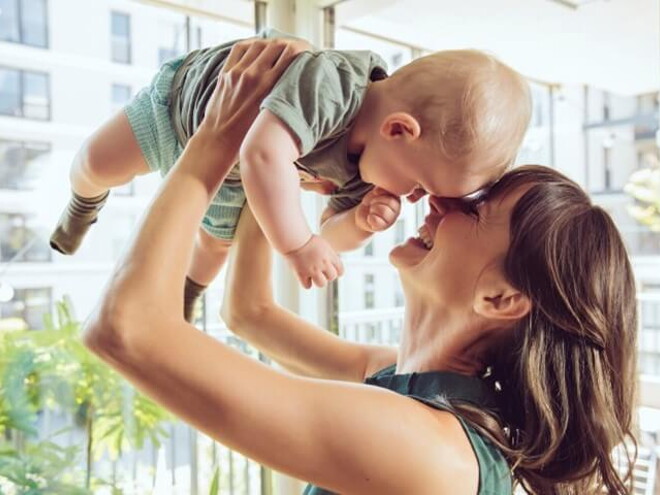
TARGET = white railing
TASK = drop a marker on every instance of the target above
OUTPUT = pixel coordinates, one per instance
(649, 333)
(383, 326)
(373, 326)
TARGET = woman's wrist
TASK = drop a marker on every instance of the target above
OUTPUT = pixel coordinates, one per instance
(214, 142)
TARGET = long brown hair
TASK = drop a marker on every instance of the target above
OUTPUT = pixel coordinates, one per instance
(568, 376)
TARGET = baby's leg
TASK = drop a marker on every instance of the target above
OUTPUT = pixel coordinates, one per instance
(209, 255)
(109, 158)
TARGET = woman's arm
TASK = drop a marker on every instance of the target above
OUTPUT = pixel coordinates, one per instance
(349, 438)
(249, 309)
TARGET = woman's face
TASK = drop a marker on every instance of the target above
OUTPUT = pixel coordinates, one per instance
(455, 248)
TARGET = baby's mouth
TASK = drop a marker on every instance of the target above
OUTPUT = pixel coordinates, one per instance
(425, 236)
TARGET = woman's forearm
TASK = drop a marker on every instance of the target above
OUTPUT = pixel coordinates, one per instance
(250, 311)
(150, 276)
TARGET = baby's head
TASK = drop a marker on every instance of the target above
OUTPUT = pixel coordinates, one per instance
(449, 122)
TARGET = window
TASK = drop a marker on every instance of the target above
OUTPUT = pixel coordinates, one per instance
(24, 21)
(21, 163)
(121, 38)
(24, 94)
(29, 305)
(369, 291)
(21, 241)
(172, 39)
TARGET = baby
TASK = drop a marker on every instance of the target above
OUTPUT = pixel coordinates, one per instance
(446, 123)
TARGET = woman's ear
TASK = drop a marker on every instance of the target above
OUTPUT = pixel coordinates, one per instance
(496, 299)
(400, 125)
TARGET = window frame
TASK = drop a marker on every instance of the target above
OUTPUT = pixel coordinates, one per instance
(25, 226)
(25, 145)
(21, 93)
(21, 30)
(127, 15)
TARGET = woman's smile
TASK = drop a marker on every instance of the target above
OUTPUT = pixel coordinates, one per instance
(426, 233)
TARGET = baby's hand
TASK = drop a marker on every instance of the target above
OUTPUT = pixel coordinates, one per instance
(316, 262)
(378, 210)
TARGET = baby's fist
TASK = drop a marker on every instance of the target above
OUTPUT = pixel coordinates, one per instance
(315, 263)
(378, 210)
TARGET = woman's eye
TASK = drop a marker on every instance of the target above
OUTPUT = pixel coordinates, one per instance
(472, 208)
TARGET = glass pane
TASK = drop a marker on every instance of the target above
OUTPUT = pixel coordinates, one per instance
(34, 22)
(36, 103)
(21, 240)
(41, 177)
(172, 39)
(10, 92)
(21, 164)
(394, 54)
(9, 30)
(210, 32)
(537, 143)
(121, 38)
(120, 25)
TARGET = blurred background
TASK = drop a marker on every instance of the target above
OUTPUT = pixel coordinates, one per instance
(70, 425)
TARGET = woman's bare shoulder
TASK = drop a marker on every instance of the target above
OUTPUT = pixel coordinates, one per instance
(453, 464)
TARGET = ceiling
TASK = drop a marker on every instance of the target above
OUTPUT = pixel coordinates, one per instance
(611, 44)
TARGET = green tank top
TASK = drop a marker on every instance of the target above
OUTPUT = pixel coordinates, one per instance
(434, 388)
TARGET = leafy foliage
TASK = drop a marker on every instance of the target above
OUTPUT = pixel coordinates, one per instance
(51, 369)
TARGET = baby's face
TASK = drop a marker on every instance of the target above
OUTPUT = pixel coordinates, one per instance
(402, 169)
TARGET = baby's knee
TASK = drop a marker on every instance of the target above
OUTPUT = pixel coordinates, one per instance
(212, 244)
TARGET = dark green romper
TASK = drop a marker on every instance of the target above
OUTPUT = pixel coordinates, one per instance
(434, 388)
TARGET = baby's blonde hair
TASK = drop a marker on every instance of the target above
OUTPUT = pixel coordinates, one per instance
(476, 108)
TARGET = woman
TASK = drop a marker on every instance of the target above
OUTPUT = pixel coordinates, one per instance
(533, 285)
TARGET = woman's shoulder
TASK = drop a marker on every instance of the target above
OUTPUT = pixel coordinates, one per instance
(460, 445)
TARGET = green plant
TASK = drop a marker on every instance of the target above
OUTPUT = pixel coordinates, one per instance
(51, 369)
(41, 467)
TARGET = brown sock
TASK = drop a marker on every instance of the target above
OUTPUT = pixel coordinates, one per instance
(192, 292)
(75, 221)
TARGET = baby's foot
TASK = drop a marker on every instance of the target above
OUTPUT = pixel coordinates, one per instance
(75, 221)
(192, 293)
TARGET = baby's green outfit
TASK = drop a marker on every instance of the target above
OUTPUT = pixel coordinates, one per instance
(317, 98)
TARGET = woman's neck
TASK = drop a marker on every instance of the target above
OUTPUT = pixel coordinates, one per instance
(436, 339)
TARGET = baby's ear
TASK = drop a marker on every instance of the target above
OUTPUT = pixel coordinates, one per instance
(399, 125)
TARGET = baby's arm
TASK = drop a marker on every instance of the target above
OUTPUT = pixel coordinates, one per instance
(272, 187)
(349, 229)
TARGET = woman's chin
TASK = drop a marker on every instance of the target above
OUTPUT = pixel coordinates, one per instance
(410, 253)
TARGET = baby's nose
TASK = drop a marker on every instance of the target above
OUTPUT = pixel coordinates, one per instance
(441, 205)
